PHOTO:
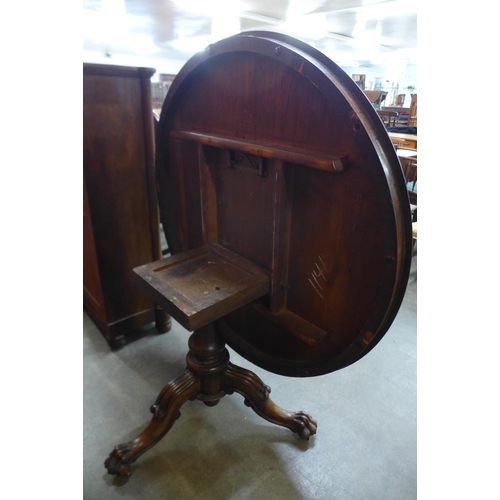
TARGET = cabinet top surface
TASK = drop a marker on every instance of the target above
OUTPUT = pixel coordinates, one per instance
(114, 70)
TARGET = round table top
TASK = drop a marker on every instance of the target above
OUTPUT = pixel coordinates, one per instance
(269, 149)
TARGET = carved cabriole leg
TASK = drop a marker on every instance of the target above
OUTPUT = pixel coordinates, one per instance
(206, 359)
(256, 395)
(209, 376)
(165, 412)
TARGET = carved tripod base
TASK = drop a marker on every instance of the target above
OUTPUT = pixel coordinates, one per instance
(209, 377)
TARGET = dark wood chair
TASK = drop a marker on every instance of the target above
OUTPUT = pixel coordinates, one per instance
(403, 118)
(389, 118)
(412, 118)
(410, 173)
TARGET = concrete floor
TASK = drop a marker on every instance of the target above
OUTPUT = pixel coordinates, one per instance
(365, 447)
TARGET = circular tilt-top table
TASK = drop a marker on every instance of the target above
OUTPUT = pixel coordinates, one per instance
(288, 220)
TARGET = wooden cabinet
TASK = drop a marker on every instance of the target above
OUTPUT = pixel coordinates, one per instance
(120, 223)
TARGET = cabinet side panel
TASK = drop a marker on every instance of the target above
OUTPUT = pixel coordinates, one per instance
(117, 184)
(92, 293)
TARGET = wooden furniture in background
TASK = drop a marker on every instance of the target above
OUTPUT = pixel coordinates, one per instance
(389, 118)
(410, 173)
(159, 91)
(402, 114)
(376, 97)
(289, 227)
(121, 225)
(408, 160)
(408, 140)
(398, 109)
(412, 118)
(360, 80)
(397, 142)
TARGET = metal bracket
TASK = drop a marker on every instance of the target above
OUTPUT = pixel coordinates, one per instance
(247, 163)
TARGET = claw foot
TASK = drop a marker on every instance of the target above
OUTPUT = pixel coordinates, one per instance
(118, 463)
(306, 425)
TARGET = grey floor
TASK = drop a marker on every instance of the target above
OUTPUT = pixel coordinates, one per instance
(365, 447)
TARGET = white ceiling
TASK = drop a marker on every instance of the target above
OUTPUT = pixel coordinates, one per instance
(368, 32)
